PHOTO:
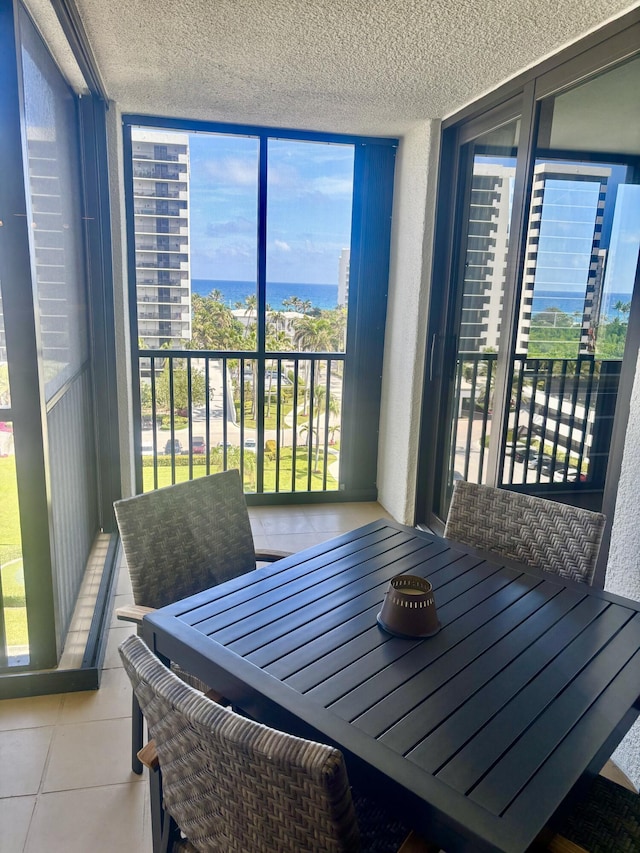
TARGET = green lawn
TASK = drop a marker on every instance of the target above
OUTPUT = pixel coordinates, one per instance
(15, 612)
(233, 461)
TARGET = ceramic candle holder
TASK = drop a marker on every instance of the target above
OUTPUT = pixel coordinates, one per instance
(408, 609)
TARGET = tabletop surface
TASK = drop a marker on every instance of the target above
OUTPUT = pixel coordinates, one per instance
(481, 730)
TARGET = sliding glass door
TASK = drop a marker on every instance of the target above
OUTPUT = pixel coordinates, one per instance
(540, 274)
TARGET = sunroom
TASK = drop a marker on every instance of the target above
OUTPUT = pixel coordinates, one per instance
(464, 178)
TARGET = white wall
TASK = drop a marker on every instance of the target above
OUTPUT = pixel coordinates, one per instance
(623, 567)
(406, 327)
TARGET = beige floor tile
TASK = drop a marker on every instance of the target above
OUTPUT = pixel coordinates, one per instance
(32, 711)
(111, 701)
(285, 524)
(87, 755)
(116, 636)
(23, 756)
(15, 816)
(123, 586)
(256, 525)
(334, 523)
(108, 819)
(294, 541)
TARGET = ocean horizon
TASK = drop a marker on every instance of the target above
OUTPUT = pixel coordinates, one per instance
(572, 304)
(322, 296)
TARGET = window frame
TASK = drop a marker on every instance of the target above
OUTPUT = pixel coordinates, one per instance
(374, 164)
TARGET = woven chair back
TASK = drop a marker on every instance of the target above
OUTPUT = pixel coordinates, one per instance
(186, 538)
(233, 785)
(544, 534)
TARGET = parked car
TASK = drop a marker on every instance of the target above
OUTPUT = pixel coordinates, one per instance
(198, 444)
(532, 459)
(175, 444)
(547, 464)
(573, 475)
(522, 452)
(273, 376)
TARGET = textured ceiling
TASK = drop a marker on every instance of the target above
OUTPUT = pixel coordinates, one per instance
(360, 66)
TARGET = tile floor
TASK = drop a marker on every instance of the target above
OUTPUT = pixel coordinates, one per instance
(65, 779)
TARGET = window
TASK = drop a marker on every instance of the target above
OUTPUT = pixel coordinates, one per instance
(262, 338)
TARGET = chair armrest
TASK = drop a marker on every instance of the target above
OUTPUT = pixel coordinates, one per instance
(148, 755)
(133, 613)
(560, 844)
(271, 556)
(414, 843)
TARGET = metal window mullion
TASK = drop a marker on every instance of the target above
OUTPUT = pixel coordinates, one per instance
(261, 318)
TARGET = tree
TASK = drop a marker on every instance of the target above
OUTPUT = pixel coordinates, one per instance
(213, 325)
(180, 377)
(319, 401)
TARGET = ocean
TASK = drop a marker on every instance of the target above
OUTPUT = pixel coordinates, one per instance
(572, 304)
(323, 296)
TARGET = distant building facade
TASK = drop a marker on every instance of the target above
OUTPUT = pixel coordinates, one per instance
(343, 277)
(563, 252)
(161, 216)
(486, 256)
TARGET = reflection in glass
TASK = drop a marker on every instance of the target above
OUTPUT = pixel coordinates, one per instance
(492, 168)
(565, 259)
(580, 266)
(56, 217)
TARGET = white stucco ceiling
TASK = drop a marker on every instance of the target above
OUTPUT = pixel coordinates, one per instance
(360, 66)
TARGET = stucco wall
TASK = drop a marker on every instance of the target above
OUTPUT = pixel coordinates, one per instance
(405, 335)
(623, 567)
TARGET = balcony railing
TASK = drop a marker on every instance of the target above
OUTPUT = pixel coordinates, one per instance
(276, 418)
(559, 423)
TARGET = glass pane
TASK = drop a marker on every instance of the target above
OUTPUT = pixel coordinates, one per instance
(196, 226)
(310, 196)
(54, 189)
(481, 293)
(581, 254)
(599, 116)
(309, 203)
(195, 219)
(14, 640)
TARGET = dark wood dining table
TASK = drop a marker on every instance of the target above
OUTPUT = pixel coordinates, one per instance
(476, 735)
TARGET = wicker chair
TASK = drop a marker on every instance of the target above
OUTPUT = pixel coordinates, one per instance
(179, 541)
(232, 785)
(607, 820)
(544, 534)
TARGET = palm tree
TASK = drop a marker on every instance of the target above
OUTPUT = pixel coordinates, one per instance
(320, 396)
(312, 334)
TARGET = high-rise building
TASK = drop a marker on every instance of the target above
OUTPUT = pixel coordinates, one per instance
(486, 255)
(343, 277)
(564, 258)
(161, 216)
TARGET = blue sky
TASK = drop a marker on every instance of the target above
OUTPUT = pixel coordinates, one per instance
(309, 208)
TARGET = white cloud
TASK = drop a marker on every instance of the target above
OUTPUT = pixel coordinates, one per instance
(282, 246)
